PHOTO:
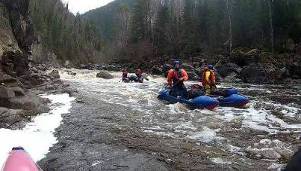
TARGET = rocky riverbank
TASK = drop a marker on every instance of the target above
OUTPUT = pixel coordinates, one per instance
(19, 95)
(243, 66)
(21, 81)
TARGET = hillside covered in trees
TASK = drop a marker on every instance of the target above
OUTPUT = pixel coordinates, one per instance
(68, 37)
(143, 29)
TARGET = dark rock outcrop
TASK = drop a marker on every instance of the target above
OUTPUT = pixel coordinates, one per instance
(225, 69)
(17, 104)
(15, 63)
(254, 73)
(21, 23)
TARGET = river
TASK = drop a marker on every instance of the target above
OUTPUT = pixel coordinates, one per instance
(120, 126)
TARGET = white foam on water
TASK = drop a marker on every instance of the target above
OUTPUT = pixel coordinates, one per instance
(37, 136)
(220, 161)
(207, 135)
(177, 121)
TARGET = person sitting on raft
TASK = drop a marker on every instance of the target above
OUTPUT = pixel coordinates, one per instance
(138, 77)
(175, 80)
(125, 77)
(209, 80)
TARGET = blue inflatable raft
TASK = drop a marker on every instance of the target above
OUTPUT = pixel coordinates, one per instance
(232, 98)
(198, 102)
(229, 98)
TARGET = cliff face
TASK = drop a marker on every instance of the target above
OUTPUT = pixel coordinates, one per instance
(16, 36)
(7, 38)
(20, 22)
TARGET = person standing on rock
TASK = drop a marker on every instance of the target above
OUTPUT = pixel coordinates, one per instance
(175, 80)
(209, 80)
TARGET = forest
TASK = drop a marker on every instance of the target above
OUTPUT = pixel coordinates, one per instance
(63, 33)
(144, 29)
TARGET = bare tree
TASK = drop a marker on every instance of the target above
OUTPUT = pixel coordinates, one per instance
(229, 9)
(270, 4)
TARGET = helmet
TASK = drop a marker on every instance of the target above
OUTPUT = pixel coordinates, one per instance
(210, 66)
(176, 62)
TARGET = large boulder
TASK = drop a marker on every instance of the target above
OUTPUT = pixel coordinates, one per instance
(104, 74)
(54, 74)
(30, 102)
(242, 57)
(14, 63)
(295, 68)
(228, 68)
(156, 70)
(232, 78)
(18, 91)
(10, 117)
(7, 80)
(6, 93)
(254, 73)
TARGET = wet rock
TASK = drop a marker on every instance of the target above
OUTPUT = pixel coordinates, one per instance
(253, 73)
(6, 93)
(242, 57)
(41, 67)
(104, 74)
(9, 117)
(29, 102)
(71, 73)
(295, 69)
(54, 74)
(6, 79)
(18, 91)
(226, 69)
(15, 63)
(232, 78)
(155, 70)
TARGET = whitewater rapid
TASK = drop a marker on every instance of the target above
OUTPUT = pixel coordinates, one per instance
(219, 128)
(37, 136)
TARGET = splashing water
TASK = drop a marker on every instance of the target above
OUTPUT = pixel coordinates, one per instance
(177, 121)
(38, 135)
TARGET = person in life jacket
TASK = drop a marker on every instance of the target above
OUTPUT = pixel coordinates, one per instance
(139, 76)
(125, 77)
(175, 80)
(209, 80)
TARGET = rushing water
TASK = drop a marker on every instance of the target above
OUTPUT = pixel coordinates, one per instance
(273, 111)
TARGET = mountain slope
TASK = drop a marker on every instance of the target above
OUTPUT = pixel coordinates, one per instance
(107, 18)
(69, 37)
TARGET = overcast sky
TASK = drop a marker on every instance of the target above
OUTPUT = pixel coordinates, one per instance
(83, 6)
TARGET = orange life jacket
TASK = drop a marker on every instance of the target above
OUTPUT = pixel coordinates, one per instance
(174, 76)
